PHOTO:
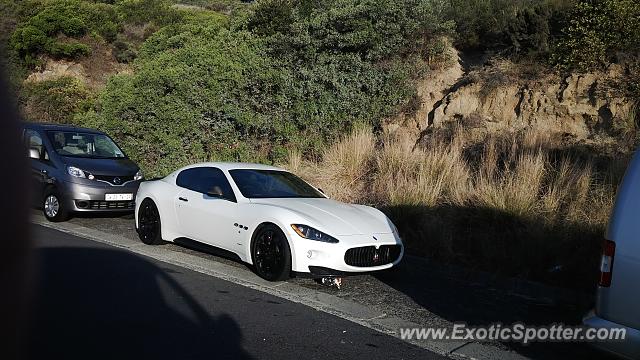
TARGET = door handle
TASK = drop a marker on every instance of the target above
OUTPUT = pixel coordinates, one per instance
(183, 199)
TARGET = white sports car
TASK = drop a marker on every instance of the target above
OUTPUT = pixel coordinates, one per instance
(269, 217)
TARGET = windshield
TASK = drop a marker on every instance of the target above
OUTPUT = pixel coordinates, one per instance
(87, 145)
(272, 184)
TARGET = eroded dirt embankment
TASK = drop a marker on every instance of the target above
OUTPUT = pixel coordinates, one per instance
(489, 96)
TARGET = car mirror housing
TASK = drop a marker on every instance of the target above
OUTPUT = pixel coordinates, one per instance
(215, 191)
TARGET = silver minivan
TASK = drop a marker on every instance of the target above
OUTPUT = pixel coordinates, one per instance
(79, 170)
(618, 296)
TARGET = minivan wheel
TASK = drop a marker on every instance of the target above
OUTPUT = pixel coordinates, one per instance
(149, 227)
(53, 207)
(271, 254)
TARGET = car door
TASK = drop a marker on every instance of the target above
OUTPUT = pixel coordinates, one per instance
(41, 167)
(206, 207)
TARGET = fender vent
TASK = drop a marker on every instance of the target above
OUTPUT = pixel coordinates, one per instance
(370, 256)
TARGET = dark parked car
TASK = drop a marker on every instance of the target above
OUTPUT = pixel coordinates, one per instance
(79, 170)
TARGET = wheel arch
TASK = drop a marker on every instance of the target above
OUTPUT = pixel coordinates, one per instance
(163, 195)
(151, 198)
(46, 189)
(262, 224)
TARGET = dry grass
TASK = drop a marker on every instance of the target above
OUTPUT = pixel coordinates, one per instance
(408, 176)
(515, 174)
(519, 204)
(345, 169)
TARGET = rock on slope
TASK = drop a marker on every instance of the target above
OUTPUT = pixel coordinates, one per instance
(499, 95)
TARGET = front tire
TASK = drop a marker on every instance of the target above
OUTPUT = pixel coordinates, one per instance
(149, 226)
(271, 254)
(53, 207)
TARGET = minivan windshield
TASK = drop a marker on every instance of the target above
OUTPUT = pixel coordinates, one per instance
(86, 145)
(272, 184)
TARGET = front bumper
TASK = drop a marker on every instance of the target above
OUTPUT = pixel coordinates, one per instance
(87, 198)
(319, 258)
(629, 348)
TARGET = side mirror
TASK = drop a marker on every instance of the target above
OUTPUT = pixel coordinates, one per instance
(215, 192)
(34, 154)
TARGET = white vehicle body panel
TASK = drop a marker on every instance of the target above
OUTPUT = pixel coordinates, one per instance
(231, 225)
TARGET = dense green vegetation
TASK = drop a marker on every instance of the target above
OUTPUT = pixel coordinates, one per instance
(224, 79)
(278, 76)
(569, 34)
(198, 93)
(56, 28)
(56, 100)
(597, 32)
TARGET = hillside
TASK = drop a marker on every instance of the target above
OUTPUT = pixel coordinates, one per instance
(486, 129)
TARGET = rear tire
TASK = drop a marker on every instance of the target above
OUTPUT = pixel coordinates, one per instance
(149, 225)
(271, 254)
(53, 206)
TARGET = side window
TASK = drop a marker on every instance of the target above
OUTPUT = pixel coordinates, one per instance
(33, 140)
(206, 180)
(187, 178)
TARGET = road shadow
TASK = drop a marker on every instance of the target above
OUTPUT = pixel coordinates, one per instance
(475, 266)
(560, 254)
(107, 304)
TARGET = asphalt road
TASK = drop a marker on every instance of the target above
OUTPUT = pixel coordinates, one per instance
(423, 293)
(94, 301)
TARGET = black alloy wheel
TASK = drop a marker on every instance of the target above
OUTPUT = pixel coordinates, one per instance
(149, 230)
(271, 254)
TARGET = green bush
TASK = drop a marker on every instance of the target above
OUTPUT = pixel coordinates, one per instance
(123, 51)
(205, 90)
(55, 100)
(42, 22)
(39, 32)
(72, 50)
(221, 6)
(480, 23)
(271, 17)
(530, 32)
(213, 97)
(347, 61)
(375, 29)
(596, 32)
(145, 11)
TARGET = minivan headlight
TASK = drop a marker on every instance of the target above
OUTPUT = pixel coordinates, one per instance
(138, 176)
(310, 233)
(75, 172)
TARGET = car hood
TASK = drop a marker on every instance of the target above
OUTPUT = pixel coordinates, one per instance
(108, 167)
(334, 217)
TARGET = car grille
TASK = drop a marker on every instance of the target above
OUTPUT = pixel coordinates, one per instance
(370, 256)
(111, 205)
(114, 180)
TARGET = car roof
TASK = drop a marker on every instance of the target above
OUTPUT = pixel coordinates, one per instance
(226, 166)
(59, 127)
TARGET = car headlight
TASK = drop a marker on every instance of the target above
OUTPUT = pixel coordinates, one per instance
(138, 176)
(75, 172)
(310, 233)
